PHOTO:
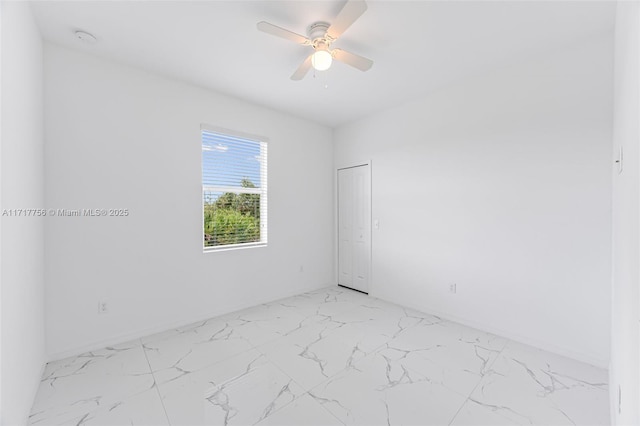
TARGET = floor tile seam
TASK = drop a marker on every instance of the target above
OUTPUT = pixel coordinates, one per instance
(306, 292)
(44, 421)
(325, 408)
(490, 366)
(443, 364)
(208, 365)
(332, 377)
(572, 360)
(307, 390)
(188, 328)
(480, 381)
(102, 405)
(274, 411)
(271, 361)
(218, 386)
(291, 379)
(280, 335)
(68, 361)
(346, 368)
(367, 355)
(252, 347)
(397, 305)
(435, 362)
(372, 354)
(360, 361)
(307, 326)
(303, 328)
(164, 338)
(110, 401)
(461, 394)
(464, 402)
(155, 384)
(438, 364)
(333, 330)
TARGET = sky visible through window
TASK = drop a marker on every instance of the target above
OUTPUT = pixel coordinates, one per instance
(226, 160)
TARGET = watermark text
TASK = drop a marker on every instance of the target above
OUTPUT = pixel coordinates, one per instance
(65, 212)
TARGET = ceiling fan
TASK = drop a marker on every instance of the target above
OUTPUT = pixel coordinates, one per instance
(320, 37)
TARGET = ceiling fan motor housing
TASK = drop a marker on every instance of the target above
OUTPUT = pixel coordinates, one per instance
(318, 30)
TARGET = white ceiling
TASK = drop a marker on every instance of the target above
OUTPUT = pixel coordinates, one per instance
(417, 46)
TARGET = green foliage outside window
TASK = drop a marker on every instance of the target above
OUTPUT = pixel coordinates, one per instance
(232, 218)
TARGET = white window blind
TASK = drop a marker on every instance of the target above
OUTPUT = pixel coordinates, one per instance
(234, 190)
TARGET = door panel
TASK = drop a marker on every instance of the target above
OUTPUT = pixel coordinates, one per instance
(345, 263)
(345, 188)
(354, 227)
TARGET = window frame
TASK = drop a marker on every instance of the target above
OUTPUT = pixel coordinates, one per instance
(262, 191)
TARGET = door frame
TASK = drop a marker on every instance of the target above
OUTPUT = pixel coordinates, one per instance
(336, 227)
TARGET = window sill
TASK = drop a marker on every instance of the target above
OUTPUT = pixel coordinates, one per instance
(231, 247)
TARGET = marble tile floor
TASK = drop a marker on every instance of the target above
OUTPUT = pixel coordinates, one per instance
(328, 357)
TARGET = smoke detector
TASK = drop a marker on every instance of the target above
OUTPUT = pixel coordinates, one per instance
(85, 37)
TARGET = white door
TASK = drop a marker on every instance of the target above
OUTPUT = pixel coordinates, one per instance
(354, 227)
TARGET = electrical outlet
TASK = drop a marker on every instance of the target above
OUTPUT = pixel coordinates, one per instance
(453, 288)
(619, 159)
(103, 308)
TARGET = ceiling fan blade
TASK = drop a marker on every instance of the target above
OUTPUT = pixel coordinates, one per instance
(303, 69)
(351, 11)
(281, 32)
(356, 61)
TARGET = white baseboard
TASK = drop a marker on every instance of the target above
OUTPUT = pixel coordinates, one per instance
(126, 337)
(546, 346)
(99, 344)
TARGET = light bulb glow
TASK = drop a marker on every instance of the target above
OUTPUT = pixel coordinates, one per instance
(321, 60)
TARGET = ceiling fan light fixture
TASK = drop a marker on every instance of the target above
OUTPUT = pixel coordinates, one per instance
(321, 35)
(321, 60)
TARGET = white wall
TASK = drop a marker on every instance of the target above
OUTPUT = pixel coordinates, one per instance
(502, 185)
(624, 373)
(118, 137)
(23, 338)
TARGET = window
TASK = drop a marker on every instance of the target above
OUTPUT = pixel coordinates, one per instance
(234, 190)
